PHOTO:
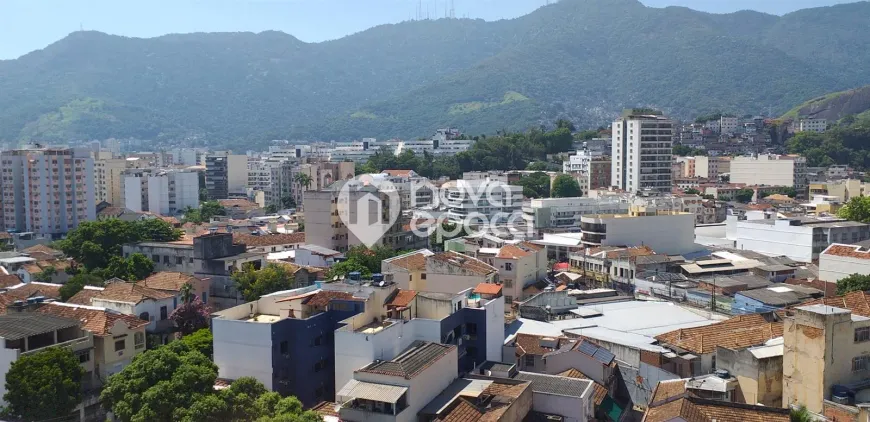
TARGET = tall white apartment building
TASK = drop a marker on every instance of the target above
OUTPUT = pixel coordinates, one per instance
(481, 201)
(771, 170)
(728, 124)
(47, 191)
(170, 192)
(135, 189)
(812, 125)
(641, 151)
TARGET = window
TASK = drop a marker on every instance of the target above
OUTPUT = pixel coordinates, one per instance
(284, 347)
(862, 334)
(139, 340)
(318, 341)
(191, 260)
(155, 258)
(166, 259)
(508, 299)
(163, 313)
(174, 302)
(320, 365)
(145, 316)
(204, 297)
(508, 266)
(84, 356)
(179, 260)
(471, 329)
(530, 361)
(423, 276)
(860, 363)
(319, 392)
(119, 345)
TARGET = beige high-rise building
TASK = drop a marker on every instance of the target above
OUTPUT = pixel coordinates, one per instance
(108, 179)
(47, 190)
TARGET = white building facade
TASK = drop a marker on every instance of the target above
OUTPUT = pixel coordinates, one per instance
(641, 151)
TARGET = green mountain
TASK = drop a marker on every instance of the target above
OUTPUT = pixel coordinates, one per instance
(578, 59)
(834, 106)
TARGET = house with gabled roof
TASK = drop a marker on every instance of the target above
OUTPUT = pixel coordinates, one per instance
(442, 272)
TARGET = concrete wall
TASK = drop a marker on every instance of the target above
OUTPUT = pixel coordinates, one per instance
(243, 349)
(795, 242)
(573, 409)
(759, 380)
(7, 356)
(832, 268)
(666, 234)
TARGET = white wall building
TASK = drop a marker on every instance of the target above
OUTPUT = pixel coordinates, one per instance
(666, 232)
(641, 151)
(770, 170)
(482, 201)
(801, 239)
(171, 192)
(839, 261)
(812, 125)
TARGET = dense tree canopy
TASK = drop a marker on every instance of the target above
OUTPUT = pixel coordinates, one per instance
(94, 243)
(253, 283)
(856, 209)
(536, 185)
(853, 283)
(744, 195)
(200, 341)
(845, 143)
(44, 385)
(565, 186)
(204, 213)
(366, 261)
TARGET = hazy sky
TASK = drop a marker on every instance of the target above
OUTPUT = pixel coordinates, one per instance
(27, 25)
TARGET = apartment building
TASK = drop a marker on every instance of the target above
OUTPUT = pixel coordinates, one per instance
(519, 265)
(710, 167)
(554, 215)
(812, 125)
(771, 170)
(728, 125)
(321, 175)
(47, 191)
(839, 190)
(665, 231)
(108, 175)
(225, 173)
(801, 239)
(481, 202)
(170, 192)
(641, 151)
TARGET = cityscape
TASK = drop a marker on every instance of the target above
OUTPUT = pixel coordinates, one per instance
(654, 265)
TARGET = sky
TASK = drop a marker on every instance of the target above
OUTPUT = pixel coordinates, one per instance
(27, 25)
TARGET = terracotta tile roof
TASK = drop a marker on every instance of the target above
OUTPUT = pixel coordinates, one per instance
(464, 262)
(43, 249)
(398, 173)
(167, 280)
(857, 302)
(599, 392)
(411, 262)
(110, 212)
(131, 293)
(5, 236)
(561, 287)
(488, 289)
(631, 252)
(269, 239)
(529, 344)
(9, 281)
(41, 256)
(735, 333)
(5, 301)
(33, 289)
(533, 246)
(171, 220)
(402, 298)
(668, 389)
(462, 411)
(693, 409)
(507, 390)
(99, 322)
(323, 297)
(850, 251)
(83, 297)
(325, 408)
(514, 252)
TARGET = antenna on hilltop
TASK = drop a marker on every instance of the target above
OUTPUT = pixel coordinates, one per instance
(452, 10)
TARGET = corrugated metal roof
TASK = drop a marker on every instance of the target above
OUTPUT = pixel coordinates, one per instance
(370, 391)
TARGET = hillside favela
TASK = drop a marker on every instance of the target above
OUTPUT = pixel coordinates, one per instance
(435, 211)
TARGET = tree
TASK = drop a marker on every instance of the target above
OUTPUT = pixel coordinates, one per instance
(350, 265)
(303, 180)
(46, 274)
(536, 185)
(537, 166)
(253, 283)
(801, 414)
(692, 191)
(564, 186)
(744, 195)
(586, 135)
(192, 315)
(856, 209)
(288, 202)
(853, 283)
(133, 268)
(94, 243)
(565, 124)
(44, 385)
(77, 283)
(201, 341)
(271, 209)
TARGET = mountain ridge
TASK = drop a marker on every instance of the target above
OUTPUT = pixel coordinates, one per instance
(579, 59)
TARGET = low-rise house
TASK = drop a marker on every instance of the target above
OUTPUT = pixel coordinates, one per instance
(34, 289)
(528, 351)
(839, 261)
(442, 272)
(146, 303)
(476, 398)
(571, 398)
(315, 256)
(118, 338)
(399, 388)
(519, 265)
(758, 371)
(167, 256)
(173, 282)
(771, 298)
(58, 267)
(277, 242)
(239, 209)
(673, 401)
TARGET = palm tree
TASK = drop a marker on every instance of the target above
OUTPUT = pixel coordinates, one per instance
(303, 180)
